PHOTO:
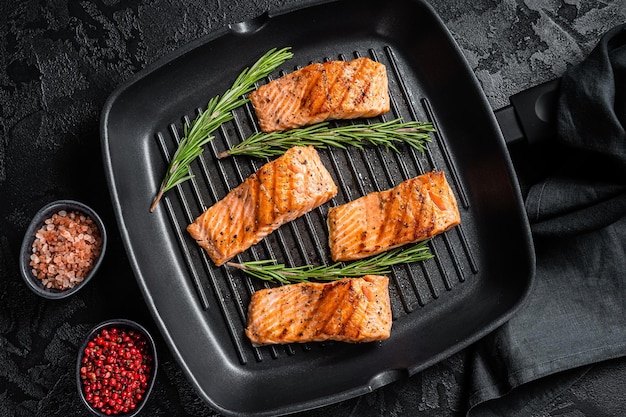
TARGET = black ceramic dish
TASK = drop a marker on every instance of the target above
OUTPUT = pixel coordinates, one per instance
(120, 324)
(26, 250)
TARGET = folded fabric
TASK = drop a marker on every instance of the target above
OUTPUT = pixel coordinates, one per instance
(575, 313)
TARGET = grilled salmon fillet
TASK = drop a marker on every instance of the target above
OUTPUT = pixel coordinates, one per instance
(348, 310)
(280, 191)
(415, 210)
(322, 91)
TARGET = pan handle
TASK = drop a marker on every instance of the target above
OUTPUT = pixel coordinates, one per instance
(531, 116)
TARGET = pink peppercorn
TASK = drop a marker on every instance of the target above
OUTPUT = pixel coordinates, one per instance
(112, 383)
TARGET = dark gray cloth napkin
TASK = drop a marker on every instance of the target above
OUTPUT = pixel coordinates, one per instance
(576, 312)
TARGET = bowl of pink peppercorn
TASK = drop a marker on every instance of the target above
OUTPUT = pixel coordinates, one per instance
(62, 248)
(116, 368)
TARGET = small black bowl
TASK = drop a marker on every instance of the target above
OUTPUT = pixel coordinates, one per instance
(126, 325)
(26, 250)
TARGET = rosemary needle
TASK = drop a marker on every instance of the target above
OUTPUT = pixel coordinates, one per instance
(270, 270)
(218, 111)
(387, 134)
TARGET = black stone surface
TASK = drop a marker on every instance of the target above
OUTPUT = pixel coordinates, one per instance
(59, 61)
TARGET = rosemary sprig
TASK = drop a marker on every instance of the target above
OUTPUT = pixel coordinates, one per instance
(270, 270)
(387, 134)
(218, 111)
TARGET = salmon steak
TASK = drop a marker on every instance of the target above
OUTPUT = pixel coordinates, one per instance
(348, 310)
(322, 91)
(415, 210)
(280, 191)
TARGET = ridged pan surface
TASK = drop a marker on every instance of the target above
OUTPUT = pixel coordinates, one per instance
(481, 272)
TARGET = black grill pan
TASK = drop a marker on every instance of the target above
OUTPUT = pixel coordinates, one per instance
(482, 270)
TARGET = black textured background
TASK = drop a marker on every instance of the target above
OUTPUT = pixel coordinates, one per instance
(59, 61)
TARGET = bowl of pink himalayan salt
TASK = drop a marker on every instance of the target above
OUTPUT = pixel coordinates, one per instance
(62, 249)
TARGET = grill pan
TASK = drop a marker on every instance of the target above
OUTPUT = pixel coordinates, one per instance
(482, 269)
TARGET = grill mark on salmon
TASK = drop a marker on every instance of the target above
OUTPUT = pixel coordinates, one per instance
(280, 191)
(322, 91)
(348, 310)
(415, 210)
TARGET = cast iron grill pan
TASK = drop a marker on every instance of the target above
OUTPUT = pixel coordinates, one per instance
(481, 271)
(305, 241)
